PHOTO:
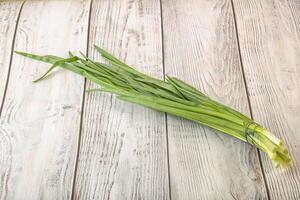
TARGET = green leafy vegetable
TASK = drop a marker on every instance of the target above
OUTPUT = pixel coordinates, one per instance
(172, 96)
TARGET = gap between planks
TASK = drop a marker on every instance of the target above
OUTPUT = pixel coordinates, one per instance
(247, 93)
(164, 77)
(82, 105)
(11, 57)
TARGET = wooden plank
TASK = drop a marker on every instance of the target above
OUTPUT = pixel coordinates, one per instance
(40, 122)
(269, 35)
(201, 48)
(123, 151)
(8, 19)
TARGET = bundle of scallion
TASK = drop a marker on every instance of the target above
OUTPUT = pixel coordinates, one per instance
(172, 96)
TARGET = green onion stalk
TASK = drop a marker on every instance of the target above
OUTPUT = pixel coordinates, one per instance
(170, 95)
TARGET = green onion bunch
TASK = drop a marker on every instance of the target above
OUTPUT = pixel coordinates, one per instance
(172, 96)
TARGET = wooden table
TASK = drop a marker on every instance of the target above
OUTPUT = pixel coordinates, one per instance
(59, 142)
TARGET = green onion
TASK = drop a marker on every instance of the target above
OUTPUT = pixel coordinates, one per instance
(172, 96)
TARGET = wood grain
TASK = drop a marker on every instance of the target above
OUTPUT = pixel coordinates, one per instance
(123, 151)
(9, 12)
(269, 34)
(201, 48)
(40, 122)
